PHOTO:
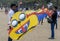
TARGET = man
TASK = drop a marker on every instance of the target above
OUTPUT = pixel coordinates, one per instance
(10, 14)
(54, 18)
(12, 11)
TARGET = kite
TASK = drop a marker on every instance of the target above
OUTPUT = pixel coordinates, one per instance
(23, 22)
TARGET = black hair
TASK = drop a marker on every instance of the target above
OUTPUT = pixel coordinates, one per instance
(12, 5)
(26, 8)
(56, 7)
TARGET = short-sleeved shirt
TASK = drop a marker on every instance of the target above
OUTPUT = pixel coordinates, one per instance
(10, 13)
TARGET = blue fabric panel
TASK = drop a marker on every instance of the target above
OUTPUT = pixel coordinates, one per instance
(41, 16)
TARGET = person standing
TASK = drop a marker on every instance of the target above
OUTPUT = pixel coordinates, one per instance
(54, 18)
(10, 14)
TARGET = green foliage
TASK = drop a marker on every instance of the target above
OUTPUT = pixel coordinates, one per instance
(8, 2)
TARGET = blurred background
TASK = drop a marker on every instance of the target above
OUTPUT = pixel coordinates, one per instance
(28, 3)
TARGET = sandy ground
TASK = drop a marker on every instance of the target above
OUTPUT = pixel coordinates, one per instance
(40, 33)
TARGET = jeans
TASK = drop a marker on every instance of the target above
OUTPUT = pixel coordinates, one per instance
(52, 30)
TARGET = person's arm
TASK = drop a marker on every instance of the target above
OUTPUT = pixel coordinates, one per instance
(10, 14)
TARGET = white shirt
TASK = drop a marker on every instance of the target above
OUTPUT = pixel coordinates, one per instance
(10, 14)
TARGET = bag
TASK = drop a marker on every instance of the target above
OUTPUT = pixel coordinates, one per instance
(49, 20)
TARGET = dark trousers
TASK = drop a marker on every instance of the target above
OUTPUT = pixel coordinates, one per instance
(41, 21)
(52, 30)
(9, 39)
(56, 24)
